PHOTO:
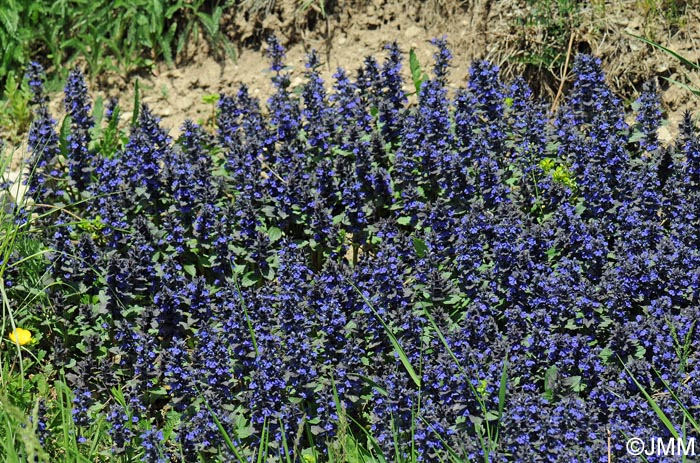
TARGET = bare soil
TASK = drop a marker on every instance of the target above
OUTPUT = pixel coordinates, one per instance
(511, 33)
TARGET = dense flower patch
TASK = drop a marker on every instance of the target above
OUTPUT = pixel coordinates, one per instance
(469, 272)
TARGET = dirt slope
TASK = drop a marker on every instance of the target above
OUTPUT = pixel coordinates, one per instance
(519, 35)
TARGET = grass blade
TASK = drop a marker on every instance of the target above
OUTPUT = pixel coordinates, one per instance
(224, 434)
(394, 342)
(680, 58)
(137, 104)
(501, 398)
(693, 90)
(660, 413)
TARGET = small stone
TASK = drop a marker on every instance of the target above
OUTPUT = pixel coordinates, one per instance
(413, 31)
(661, 67)
(664, 135)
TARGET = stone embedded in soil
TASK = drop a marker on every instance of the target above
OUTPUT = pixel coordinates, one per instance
(664, 135)
(413, 31)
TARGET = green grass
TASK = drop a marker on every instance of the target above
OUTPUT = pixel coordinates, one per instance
(18, 441)
(121, 36)
(15, 114)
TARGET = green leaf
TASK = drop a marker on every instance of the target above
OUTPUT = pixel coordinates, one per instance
(166, 46)
(63, 137)
(403, 220)
(158, 392)
(274, 233)
(97, 115)
(262, 448)
(190, 270)
(243, 429)
(417, 74)
(552, 253)
(9, 18)
(574, 382)
(230, 49)
(249, 323)
(211, 98)
(636, 136)
(338, 218)
(172, 420)
(248, 280)
(268, 273)
(173, 9)
(420, 247)
(550, 377)
(572, 325)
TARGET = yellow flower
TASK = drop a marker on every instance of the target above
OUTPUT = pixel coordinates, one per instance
(20, 336)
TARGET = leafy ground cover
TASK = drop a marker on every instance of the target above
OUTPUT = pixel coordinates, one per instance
(340, 275)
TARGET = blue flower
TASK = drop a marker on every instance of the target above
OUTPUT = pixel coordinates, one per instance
(649, 116)
(36, 76)
(78, 107)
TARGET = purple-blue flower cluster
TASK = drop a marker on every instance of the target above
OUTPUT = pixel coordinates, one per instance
(435, 271)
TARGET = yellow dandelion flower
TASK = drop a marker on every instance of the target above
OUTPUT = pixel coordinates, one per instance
(20, 336)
